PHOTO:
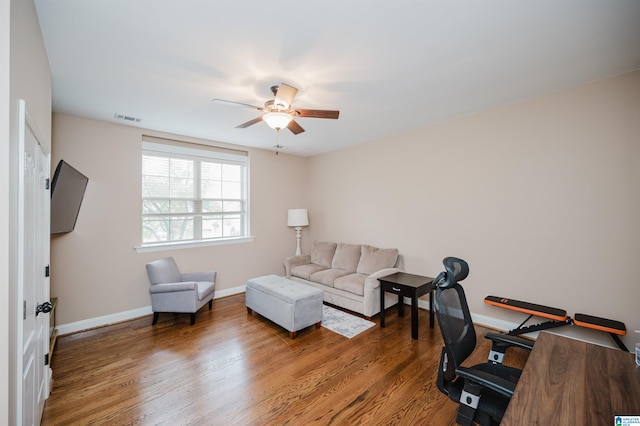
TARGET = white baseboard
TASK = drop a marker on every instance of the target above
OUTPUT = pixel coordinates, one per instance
(74, 327)
(87, 324)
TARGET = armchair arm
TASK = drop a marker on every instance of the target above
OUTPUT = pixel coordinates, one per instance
(173, 287)
(487, 380)
(208, 276)
(293, 261)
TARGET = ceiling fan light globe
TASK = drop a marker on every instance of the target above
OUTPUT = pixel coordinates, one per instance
(277, 120)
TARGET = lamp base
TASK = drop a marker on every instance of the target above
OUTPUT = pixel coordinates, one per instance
(298, 236)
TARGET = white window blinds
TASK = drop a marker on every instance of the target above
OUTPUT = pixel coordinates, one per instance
(192, 192)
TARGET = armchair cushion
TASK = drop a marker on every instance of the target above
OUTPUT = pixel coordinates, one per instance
(163, 271)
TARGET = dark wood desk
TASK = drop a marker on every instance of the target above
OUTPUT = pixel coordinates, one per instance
(408, 285)
(569, 382)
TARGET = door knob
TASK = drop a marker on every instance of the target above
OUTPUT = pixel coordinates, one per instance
(45, 308)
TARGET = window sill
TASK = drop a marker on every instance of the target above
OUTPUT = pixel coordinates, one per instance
(191, 244)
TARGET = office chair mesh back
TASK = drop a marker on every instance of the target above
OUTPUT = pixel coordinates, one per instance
(455, 324)
(453, 312)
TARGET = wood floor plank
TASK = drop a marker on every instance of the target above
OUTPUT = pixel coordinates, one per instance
(235, 368)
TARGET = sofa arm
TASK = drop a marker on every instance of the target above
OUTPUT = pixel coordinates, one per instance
(209, 276)
(371, 282)
(372, 291)
(173, 287)
(293, 261)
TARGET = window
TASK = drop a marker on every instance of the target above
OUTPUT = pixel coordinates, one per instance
(191, 193)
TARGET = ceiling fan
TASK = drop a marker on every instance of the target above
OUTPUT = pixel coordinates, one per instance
(278, 112)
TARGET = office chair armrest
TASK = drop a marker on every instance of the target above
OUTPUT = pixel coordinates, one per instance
(510, 340)
(209, 276)
(487, 380)
(173, 287)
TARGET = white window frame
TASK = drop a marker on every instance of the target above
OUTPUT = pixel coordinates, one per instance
(177, 149)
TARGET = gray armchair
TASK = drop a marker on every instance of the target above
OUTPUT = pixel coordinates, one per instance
(172, 291)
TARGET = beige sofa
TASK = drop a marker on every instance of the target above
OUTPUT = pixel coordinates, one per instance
(347, 273)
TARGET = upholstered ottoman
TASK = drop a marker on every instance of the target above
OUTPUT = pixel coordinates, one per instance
(289, 304)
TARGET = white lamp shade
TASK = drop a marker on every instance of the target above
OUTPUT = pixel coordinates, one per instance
(298, 217)
(277, 120)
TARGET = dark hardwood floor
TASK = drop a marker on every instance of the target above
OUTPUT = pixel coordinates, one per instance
(231, 368)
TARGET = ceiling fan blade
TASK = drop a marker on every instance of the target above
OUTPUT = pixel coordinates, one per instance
(285, 95)
(249, 123)
(295, 127)
(237, 104)
(315, 113)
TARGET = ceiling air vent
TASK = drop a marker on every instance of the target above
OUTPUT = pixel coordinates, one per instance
(127, 118)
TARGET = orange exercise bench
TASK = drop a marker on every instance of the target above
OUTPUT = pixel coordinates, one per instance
(614, 328)
(557, 318)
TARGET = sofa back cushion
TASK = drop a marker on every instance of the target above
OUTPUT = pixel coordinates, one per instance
(373, 259)
(322, 253)
(347, 257)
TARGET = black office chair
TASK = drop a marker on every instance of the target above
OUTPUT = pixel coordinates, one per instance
(484, 390)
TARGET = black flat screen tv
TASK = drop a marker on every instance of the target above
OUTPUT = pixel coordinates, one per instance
(67, 191)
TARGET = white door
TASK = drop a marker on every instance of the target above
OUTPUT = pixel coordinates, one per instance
(33, 283)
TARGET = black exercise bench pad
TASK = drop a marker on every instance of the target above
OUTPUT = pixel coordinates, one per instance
(602, 324)
(527, 308)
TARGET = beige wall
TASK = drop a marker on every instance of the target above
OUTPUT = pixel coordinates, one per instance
(28, 78)
(540, 197)
(95, 269)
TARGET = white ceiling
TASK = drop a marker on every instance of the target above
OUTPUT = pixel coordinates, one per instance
(388, 66)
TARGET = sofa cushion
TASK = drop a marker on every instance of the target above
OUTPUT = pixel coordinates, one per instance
(322, 253)
(305, 271)
(373, 259)
(346, 257)
(328, 276)
(353, 283)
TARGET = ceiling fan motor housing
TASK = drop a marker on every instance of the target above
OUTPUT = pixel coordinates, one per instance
(271, 105)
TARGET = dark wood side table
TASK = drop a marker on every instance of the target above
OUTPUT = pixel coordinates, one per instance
(408, 285)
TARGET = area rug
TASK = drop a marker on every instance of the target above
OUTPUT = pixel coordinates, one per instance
(343, 323)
